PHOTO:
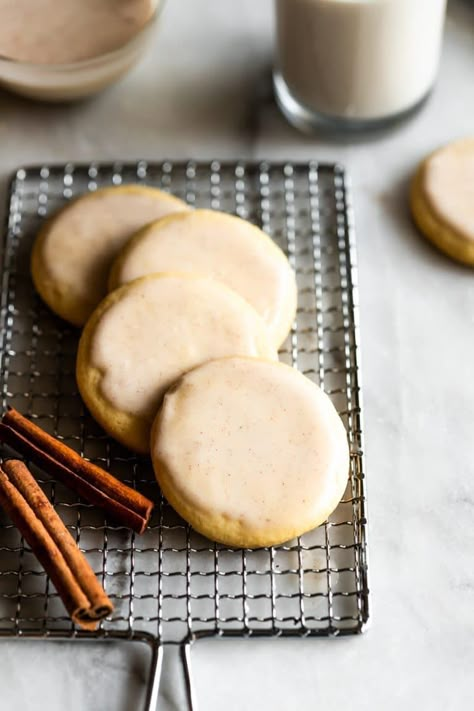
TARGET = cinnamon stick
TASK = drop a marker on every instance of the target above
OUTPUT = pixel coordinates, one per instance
(95, 485)
(31, 512)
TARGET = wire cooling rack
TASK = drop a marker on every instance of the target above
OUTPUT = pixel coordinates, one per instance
(171, 585)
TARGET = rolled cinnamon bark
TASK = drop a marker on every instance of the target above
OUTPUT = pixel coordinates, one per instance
(98, 487)
(31, 512)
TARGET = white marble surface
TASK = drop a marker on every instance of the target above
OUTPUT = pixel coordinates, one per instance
(204, 91)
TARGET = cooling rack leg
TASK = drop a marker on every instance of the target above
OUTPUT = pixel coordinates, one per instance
(153, 688)
(188, 679)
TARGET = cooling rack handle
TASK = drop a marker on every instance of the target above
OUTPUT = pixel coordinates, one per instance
(191, 700)
(154, 678)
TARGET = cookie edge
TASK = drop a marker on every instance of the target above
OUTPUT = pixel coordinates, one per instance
(432, 227)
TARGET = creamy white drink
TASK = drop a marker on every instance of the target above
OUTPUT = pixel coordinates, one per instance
(360, 60)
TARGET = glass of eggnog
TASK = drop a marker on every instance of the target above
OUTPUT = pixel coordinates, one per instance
(355, 63)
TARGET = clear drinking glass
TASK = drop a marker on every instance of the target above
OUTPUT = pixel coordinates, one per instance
(355, 63)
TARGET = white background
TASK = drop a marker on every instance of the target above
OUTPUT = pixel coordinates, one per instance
(204, 91)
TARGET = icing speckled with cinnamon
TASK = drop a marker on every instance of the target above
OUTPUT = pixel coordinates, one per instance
(251, 453)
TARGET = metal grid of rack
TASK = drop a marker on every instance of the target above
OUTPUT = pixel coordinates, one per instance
(171, 584)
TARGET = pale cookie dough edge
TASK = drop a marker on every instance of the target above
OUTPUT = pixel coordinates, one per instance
(55, 298)
(435, 230)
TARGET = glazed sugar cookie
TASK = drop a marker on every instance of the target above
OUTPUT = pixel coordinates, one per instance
(250, 453)
(74, 250)
(146, 334)
(442, 199)
(224, 247)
